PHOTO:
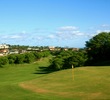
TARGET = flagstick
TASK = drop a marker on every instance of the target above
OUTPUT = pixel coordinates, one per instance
(73, 72)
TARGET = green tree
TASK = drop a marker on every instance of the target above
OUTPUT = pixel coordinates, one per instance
(3, 61)
(12, 58)
(56, 64)
(65, 59)
(20, 58)
(38, 55)
(46, 53)
(98, 47)
(77, 59)
(29, 57)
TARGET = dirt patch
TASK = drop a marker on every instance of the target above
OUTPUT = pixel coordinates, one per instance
(93, 96)
(33, 88)
(36, 89)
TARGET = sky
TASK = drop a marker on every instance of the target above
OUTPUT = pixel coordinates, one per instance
(66, 23)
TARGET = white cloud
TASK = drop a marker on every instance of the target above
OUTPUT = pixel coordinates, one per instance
(68, 32)
(99, 31)
(106, 30)
(105, 25)
(80, 34)
(23, 32)
(4, 37)
(39, 38)
(92, 31)
(15, 37)
(68, 28)
(51, 36)
(64, 35)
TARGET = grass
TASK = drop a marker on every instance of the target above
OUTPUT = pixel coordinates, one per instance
(12, 75)
(29, 82)
(89, 83)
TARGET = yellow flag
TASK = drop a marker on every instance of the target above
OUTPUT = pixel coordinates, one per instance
(72, 66)
(73, 72)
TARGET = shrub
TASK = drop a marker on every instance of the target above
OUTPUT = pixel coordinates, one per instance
(3, 61)
(56, 64)
(66, 59)
(12, 58)
(29, 57)
(20, 58)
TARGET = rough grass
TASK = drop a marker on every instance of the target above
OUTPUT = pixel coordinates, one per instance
(33, 82)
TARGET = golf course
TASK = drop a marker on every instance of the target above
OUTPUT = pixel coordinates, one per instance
(33, 82)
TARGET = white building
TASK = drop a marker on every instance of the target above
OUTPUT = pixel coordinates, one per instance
(4, 46)
(4, 49)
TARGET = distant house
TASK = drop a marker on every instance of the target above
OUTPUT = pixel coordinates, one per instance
(4, 46)
(32, 49)
(65, 49)
(51, 48)
(4, 49)
(75, 49)
(22, 51)
(14, 51)
(57, 49)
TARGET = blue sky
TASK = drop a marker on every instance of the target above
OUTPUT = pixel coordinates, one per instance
(52, 22)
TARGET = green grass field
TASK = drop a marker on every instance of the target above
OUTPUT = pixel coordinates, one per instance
(29, 82)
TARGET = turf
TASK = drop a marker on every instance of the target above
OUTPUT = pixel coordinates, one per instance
(33, 82)
(90, 83)
(12, 75)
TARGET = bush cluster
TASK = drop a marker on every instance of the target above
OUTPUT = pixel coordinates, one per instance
(65, 60)
(22, 58)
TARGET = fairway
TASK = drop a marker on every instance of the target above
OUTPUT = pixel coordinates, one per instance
(28, 82)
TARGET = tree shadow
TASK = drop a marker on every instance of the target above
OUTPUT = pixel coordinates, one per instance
(43, 70)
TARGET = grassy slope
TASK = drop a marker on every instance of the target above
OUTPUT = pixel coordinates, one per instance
(11, 76)
(21, 83)
(89, 83)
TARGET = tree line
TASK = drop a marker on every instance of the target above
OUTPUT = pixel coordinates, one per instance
(65, 59)
(23, 58)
